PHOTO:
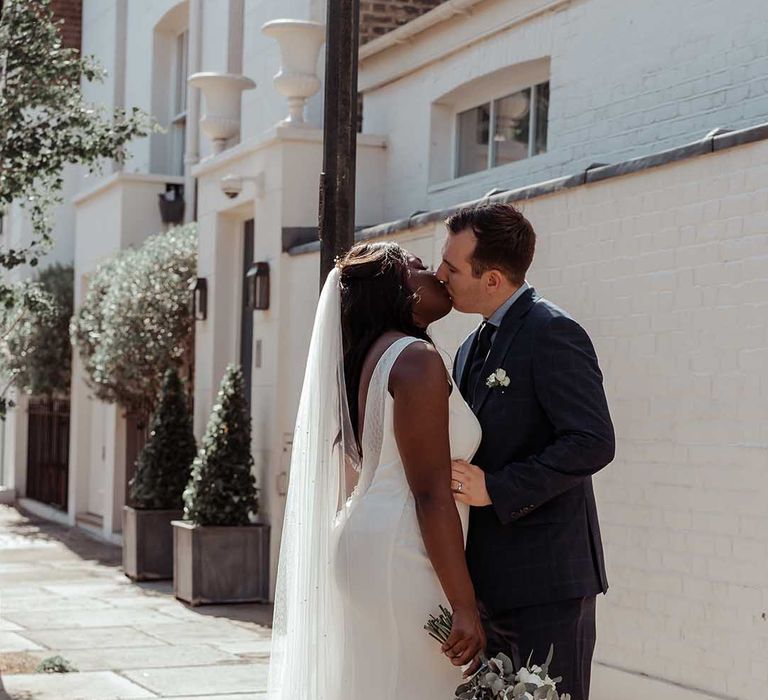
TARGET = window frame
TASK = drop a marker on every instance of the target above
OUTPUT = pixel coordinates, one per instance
(492, 103)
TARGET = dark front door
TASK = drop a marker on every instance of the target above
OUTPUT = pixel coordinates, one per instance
(48, 451)
(246, 324)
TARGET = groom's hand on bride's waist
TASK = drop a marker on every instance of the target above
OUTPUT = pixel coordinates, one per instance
(468, 484)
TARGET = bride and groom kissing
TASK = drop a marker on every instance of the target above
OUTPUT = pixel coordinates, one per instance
(411, 489)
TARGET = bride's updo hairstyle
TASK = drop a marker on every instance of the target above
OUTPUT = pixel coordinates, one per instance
(374, 299)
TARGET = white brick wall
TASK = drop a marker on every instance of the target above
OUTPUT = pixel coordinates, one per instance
(668, 270)
(627, 78)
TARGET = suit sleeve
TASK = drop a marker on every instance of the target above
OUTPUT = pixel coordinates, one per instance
(569, 386)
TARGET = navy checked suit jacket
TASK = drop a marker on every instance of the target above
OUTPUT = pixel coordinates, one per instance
(544, 436)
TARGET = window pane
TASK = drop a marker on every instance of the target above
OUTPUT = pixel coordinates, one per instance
(473, 140)
(178, 136)
(542, 118)
(180, 101)
(510, 133)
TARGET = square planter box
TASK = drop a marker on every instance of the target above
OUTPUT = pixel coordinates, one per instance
(220, 564)
(148, 543)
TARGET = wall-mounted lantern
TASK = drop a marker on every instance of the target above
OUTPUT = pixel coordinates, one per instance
(171, 203)
(257, 283)
(199, 298)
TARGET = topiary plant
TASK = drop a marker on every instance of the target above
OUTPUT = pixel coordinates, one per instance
(222, 489)
(163, 467)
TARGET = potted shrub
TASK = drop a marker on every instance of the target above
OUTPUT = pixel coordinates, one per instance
(220, 554)
(155, 492)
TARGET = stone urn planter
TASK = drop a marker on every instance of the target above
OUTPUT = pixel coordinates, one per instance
(221, 91)
(148, 543)
(297, 80)
(220, 563)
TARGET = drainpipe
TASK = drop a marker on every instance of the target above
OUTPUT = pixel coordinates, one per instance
(236, 25)
(118, 89)
(192, 141)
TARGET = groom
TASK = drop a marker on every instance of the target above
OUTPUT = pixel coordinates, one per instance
(533, 548)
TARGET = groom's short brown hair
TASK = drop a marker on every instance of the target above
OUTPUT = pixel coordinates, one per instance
(505, 239)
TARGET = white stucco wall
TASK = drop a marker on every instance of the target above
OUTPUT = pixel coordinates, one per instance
(626, 79)
(667, 269)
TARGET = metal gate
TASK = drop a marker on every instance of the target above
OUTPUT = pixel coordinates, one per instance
(48, 451)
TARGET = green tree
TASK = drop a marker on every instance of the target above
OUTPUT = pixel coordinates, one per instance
(36, 352)
(222, 489)
(30, 301)
(45, 122)
(135, 321)
(163, 467)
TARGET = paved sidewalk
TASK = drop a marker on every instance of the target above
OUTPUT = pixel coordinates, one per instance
(64, 593)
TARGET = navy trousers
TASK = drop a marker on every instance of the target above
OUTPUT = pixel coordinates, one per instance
(569, 625)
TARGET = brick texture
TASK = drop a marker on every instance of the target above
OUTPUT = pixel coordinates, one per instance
(378, 17)
(71, 11)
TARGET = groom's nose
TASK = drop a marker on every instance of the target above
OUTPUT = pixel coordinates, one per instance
(441, 273)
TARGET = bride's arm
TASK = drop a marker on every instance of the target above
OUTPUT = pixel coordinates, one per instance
(420, 388)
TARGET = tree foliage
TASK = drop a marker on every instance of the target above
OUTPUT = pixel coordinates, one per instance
(36, 353)
(135, 321)
(45, 122)
(29, 301)
(163, 467)
(222, 489)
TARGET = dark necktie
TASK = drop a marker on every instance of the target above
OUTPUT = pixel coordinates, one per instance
(484, 337)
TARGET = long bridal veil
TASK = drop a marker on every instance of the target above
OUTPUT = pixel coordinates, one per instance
(308, 624)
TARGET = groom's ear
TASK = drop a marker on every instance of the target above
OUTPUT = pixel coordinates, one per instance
(494, 280)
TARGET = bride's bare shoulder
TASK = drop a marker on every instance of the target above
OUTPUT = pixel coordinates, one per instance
(418, 365)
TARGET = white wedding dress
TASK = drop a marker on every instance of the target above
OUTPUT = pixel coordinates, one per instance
(354, 584)
(388, 586)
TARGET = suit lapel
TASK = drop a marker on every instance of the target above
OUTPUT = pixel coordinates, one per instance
(510, 325)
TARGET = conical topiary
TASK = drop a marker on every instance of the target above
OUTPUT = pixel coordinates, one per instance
(163, 466)
(222, 489)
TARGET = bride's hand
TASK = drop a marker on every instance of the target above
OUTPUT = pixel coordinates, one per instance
(467, 638)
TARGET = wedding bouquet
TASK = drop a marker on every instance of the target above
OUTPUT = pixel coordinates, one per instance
(497, 678)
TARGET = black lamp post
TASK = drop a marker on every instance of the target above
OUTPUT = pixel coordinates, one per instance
(337, 181)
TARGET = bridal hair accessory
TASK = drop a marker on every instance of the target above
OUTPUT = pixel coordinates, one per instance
(497, 678)
(498, 378)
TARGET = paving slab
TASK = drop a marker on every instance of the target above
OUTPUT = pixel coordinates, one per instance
(6, 626)
(228, 696)
(92, 638)
(122, 658)
(39, 603)
(188, 680)
(202, 632)
(86, 618)
(97, 685)
(11, 641)
(245, 646)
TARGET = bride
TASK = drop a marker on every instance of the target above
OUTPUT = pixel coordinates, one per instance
(373, 541)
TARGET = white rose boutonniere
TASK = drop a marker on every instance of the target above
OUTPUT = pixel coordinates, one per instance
(497, 379)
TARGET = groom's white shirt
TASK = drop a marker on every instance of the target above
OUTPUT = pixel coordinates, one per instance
(495, 320)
